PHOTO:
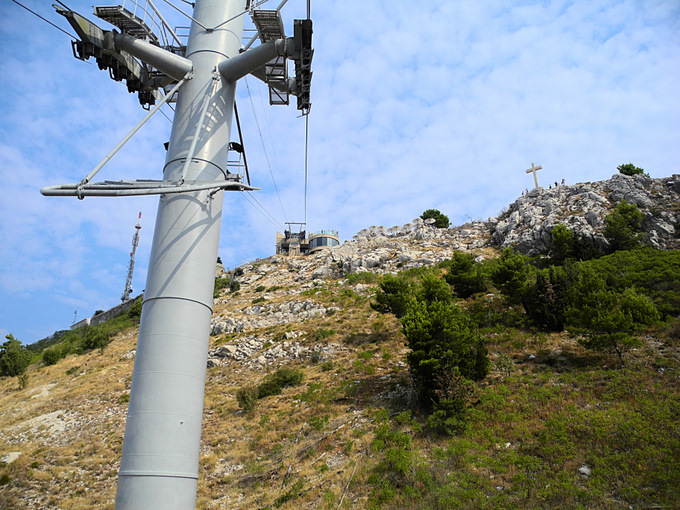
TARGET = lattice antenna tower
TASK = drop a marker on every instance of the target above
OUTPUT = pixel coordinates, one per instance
(135, 242)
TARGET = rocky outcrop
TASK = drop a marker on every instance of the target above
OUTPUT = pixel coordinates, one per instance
(258, 351)
(267, 315)
(527, 224)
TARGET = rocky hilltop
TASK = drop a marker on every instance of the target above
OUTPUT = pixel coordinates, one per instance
(525, 226)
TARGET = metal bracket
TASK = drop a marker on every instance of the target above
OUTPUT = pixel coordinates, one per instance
(140, 187)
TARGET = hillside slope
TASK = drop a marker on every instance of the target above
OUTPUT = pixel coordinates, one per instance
(553, 425)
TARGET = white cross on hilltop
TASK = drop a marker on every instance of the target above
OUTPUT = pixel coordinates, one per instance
(534, 169)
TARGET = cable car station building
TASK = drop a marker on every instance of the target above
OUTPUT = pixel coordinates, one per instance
(297, 243)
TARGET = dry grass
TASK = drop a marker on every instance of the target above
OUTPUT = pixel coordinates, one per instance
(68, 427)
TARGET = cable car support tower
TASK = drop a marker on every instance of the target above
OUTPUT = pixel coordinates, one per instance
(159, 465)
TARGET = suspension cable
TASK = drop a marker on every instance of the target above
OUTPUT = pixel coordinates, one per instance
(261, 209)
(306, 160)
(309, 16)
(44, 19)
(252, 104)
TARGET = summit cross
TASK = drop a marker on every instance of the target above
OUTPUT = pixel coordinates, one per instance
(533, 170)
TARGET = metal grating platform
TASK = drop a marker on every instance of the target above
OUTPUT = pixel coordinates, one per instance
(269, 24)
(125, 20)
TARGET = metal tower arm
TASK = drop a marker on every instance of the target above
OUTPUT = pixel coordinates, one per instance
(165, 61)
(239, 66)
(117, 53)
(92, 44)
(274, 71)
(141, 187)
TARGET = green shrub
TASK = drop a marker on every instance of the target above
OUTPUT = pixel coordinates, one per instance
(135, 311)
(393, 295)
(362, 277)
(561, 244)
(465, 275)
(221, 283)
(319, 422)
(441, 220)
(548, 297)
(509, 273)
(274, 383)
(51, 356)
(247, 398)
(433, 289)
(315, 357)
(260, 288)
(441, 338)
(323, 333)
(292, 494)
(629, 169)
(22, 380)
(14, 359)
(622, 228)
(565, 245)
(72, 370)
(446, 350)
(608, 318)
(93, 338)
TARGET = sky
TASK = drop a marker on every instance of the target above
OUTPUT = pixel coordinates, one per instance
(415, 105)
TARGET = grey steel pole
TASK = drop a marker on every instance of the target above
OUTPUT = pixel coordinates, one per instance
(159, 467)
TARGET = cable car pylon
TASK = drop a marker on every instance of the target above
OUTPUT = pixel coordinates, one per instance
(159, 465)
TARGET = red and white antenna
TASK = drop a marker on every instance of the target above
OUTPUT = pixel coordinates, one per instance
(135, 242)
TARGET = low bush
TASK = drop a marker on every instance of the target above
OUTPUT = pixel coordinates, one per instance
(220, 284)
(465, 275)
(630, 169)
(247, 398)
(623, 227)
(274, 383)
(51, 356)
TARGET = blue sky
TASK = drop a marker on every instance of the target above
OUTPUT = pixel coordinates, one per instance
(414, 105)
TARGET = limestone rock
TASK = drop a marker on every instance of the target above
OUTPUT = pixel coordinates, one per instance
(583, 207)
(10, 457)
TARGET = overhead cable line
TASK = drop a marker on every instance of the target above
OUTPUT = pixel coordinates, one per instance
(306, 159)
(309, 16)
(264, 148)
(166, 116)
(261, 209)
(275, 157)
(44, 19)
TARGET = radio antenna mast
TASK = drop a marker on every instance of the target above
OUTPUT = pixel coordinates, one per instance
(135, 242)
